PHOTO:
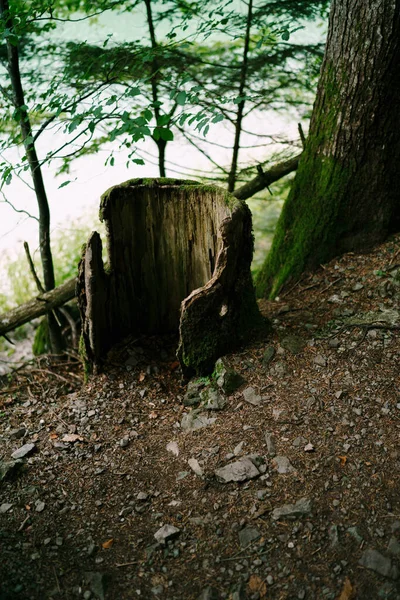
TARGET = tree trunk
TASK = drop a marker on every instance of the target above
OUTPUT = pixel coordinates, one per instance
(37, 307)
(179, 257)
(240, 111)
(22, 115)
(345, 194)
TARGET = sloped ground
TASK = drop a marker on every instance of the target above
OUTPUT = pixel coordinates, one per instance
(78, 521)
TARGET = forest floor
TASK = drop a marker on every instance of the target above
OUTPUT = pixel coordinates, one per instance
(316, 423)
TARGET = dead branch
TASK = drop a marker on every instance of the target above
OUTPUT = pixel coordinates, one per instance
(41, 305)
(265, 178)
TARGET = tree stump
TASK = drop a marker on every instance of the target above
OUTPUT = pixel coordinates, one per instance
(179, 256)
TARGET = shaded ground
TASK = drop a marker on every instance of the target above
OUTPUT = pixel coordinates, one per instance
(84, 510)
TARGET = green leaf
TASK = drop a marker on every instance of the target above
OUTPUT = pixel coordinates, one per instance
(64, 183)
(166, 135)
(181, 98)
(163, 120)
(217, 118)
(285, 35)
(92, 126)
(138, 161)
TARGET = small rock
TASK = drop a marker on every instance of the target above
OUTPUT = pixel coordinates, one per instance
(293, 344)
(173, 447)
(309, 448)
(271, 447)
(320, 360)
(196, 468)
(251, 397)
(126, 511)
(334, 343)
(375, 561)
(269, 354)
(157, 590)
(282, 465)
(124, 442)
(212, 399)
(39, 506)
(393, 546)
(195, 420)
(237, 449)
(333, 534)
(248, 535)
(16, 434)
(227, 378)
(241, 470)
(192, 396)
(142, 496)
(25, 450)
(299, 441)
(166, 532)
(353, 531)
(209, 593)
(279, 369)
(291, 511)
(357, 287)
(5, 507)
(10, 469)
(97, 583)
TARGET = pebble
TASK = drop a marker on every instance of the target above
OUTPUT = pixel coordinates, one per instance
(282, 465)
(173, 447)
(124, 442)
(375, 561)
(320, 360)
(195, 420)
(39, 506)
(250, 396)
(271, 446)
(16, 434)
(5, 507)
(241, 470)
(291, 511)
(23, 451)
(248, 535)
(196, 468)
(166, 533)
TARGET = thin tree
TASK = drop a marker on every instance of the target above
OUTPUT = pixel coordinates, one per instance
(22, 115)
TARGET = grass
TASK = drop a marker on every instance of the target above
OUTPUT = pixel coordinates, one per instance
(15, 276)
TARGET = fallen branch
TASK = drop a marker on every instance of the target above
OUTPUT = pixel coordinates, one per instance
(37, 307)
(264, 179)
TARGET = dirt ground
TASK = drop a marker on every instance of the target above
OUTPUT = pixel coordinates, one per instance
(318, 416)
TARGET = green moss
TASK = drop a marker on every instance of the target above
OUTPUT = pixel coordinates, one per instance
(87, 366)
(310, 223)
(41, 342)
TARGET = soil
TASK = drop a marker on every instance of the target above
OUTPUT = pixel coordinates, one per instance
(78, 519)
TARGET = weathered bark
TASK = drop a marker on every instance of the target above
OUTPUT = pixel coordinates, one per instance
(167, 240)
(345, 195)
(266, 178)
(37, 307)
(22, 115)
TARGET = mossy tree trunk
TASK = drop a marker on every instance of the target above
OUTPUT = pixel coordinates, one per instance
(179, 257)
(345, 196)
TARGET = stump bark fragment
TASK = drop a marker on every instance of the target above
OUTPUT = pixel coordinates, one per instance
(179, 257)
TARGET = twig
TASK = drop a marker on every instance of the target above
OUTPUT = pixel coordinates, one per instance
(24, 522)
(58, 583)
(127, 564)
(50, 373)
(395, 255)
(302, 136)
(330, 285)
(32, 269)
